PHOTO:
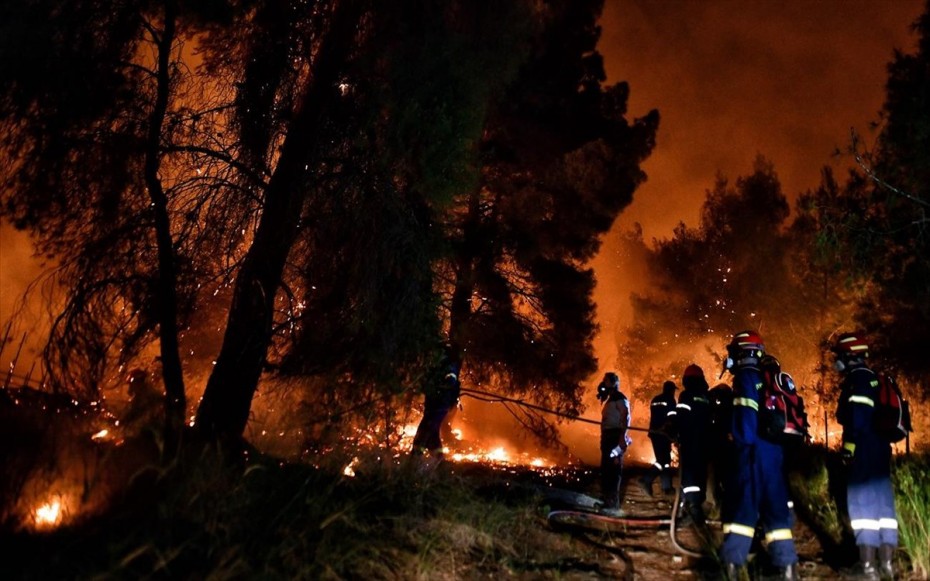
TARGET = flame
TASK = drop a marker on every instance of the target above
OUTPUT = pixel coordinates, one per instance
(349, 470)
(100, 435)
(49, 515)
(498, 455)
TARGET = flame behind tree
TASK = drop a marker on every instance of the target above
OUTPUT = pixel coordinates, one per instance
(153, 175)
(731, 272)
(99, 129)
(559, 161)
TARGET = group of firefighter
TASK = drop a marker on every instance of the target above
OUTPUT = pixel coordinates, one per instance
(720, 428)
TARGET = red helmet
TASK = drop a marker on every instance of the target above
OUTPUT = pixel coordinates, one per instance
(851, 344)
(746, 341)
(693, 371)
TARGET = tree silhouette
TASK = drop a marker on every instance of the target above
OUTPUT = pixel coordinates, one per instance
(559, 161)
(897, 228)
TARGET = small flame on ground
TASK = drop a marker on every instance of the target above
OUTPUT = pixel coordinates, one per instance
(100, 435)
(349, 470)
(49, 514)
(498, 455)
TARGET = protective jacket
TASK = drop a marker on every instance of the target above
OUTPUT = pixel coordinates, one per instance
(760, 492)
(662, 415)
(615, 439)
(693, 419)
(869, 492)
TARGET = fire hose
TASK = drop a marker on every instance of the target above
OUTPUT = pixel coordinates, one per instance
(628, 521)
(494, 397)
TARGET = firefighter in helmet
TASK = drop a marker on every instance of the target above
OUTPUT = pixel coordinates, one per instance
(661, 417)
(870, 498)
(441, 395)
(693, 420)
(615, 439)
(759, 493)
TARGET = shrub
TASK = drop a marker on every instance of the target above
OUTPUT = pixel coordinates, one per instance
(910, 475)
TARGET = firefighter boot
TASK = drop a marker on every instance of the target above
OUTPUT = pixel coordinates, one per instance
(866, 568)
(789, 573)
(734, 572)
(886, 562)
(695, 511)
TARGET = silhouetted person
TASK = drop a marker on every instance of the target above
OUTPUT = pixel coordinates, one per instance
(723, 456)
(661, 416)
(615, 439)
(693, 421)
(441, 395)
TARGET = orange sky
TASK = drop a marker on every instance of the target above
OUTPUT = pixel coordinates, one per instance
(733, 78)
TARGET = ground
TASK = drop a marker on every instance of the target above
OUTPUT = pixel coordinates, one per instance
(647, 552)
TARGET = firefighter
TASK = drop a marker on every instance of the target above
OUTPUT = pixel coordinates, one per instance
(721, 443)
(794, 430)
(441, 395)
(661, 417)
(615, 439)
(693, 421)
(870, 499)
(759, 492)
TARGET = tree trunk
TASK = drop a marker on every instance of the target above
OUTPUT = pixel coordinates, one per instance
(460, 309)
(166, 286)
(227, 400)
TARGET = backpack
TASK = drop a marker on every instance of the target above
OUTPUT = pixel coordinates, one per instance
(892, 416)
(782, 418)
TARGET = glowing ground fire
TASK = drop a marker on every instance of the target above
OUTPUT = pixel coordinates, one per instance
(49, 514)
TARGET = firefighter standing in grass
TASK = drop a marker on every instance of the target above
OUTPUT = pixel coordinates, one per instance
(615, 439)
(693, 421)
(870, 497)
(661, 415)
(759, 492)
(441, 395)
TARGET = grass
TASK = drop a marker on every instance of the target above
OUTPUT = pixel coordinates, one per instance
(816, 483)
(271, 520)
(910, 475)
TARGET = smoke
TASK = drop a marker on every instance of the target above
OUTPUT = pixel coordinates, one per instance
(24, 317)
(732, 78)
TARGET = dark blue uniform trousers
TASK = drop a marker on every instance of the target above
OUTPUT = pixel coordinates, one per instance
(760, 492)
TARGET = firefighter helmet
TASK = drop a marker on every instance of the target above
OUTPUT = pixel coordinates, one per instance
(693, 371)
(851, 344)
(747, 341)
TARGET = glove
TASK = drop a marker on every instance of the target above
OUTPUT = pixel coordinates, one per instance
(847, 453)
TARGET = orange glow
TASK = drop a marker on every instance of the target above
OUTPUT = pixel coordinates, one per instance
(349, 470)
(50, 514)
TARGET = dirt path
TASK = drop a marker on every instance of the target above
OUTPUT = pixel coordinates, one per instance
(648, 553)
